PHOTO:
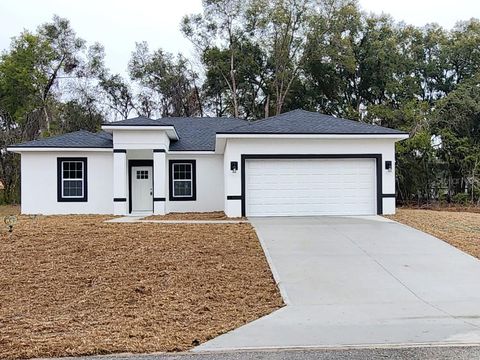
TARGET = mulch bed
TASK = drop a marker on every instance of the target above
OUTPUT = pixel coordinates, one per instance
(74, 285)
(6, 210)
(215, 215)
(451, 207)
(460, 229)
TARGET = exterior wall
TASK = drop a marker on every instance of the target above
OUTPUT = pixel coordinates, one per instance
(39, 183)
(140, 139)
(108, 173)
(234, 148)
(209, 181)
(120, 185)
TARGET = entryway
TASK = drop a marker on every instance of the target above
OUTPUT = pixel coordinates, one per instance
(141, 189)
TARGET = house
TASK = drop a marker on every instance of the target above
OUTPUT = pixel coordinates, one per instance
(296, 163)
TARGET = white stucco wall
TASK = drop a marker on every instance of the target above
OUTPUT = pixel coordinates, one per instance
(213, 183)
(39, 184)
(210, 190)
(140, 139)
(234, 148)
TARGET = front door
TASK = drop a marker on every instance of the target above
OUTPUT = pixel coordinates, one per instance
(142, 189)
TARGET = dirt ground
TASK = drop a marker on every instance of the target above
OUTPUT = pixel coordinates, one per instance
(6, 210)
(75, 285)
(460, 229)
(214, 215)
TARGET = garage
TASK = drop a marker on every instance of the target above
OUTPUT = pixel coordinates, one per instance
(306, 187)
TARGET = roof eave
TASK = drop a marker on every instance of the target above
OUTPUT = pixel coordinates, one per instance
(20, 149)
(393, 136)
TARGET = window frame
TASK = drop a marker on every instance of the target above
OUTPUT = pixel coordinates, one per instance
(60, 180)
(171, 165)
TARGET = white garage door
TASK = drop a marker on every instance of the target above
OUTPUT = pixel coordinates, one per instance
(310, 187)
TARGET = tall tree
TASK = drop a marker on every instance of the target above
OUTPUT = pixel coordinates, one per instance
(221, 25)
(172, 79)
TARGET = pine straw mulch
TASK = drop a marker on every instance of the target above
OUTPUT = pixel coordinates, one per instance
(6, 210)
(214, 215)
(460, 229)
(74, 285)
(446, 207)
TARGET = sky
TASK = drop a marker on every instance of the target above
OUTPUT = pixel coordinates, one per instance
(117, 25)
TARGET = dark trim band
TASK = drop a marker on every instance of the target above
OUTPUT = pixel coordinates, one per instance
(119, 199)
(389, 195)
(377, 157)
(120, 151)
(159, 150)
(159, 199)
(234, 197)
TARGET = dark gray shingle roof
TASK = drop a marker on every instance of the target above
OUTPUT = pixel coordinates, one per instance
(77, 139)
(198, 134)
(306, 122)
(195, 133)
(137, 121)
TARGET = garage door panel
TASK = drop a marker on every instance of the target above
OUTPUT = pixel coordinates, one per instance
(310, 187)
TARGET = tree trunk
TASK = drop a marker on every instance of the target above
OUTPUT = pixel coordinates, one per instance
(234, 85)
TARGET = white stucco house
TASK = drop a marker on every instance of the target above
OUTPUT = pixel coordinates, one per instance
(297, 163)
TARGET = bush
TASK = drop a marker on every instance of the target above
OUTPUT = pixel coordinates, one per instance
(461, 198)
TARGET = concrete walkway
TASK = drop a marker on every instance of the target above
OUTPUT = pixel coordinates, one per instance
(361, 281)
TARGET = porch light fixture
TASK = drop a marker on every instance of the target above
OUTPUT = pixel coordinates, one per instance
(234, 166)
(388, 166)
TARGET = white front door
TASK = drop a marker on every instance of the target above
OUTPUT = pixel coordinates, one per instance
(142, 189)
(310, 187)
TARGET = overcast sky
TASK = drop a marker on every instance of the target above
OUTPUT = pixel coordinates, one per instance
(119, 24)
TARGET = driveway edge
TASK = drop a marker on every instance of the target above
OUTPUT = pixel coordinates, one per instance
(275, 274)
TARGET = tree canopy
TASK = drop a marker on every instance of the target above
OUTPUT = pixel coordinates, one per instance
(258, 58)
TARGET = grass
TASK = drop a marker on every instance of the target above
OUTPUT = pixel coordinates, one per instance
(458, 228)
(75, 285)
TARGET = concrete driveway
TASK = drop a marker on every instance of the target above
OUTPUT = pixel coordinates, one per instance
(351, 281)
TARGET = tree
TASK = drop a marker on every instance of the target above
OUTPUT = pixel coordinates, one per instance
(119, 96)
(37, 73)
(75, 115)
(171, 79)
(221, 25)
(457, 123)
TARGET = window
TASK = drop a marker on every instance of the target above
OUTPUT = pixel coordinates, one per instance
(142, 174)
(182, 180)
(71, 179)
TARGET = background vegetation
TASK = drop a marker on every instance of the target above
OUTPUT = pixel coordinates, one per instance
(258, 58)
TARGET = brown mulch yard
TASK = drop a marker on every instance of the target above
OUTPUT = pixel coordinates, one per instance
(460, 229)
(6, 210)
(75, 285)
(215, 215)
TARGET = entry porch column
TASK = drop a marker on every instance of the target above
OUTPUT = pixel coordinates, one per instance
(120, 182)
(159, 185)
